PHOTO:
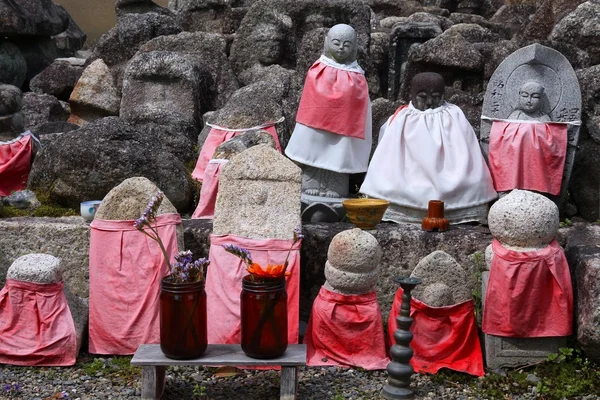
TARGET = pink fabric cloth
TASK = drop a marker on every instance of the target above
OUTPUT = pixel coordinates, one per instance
(527, 156)
(36, 325)
(346, 330)
(208, 193)
(126, 268)
(215, 137)
(334, 100)
(444, 337)
(224, 284)
(529, 294)
(15, 163)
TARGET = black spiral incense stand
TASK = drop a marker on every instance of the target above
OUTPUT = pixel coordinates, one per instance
(399, 369)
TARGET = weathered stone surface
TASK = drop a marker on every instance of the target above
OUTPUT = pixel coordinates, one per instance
(381, 110)
(586, 180)
(386, 8)
(66, 238)
(289, 21)
(71, 39)
(39, 53)
(347, 282)
(89, 162)
(440, 267)
(499, 29)
(129, 199)
(450, 49)
(13, 67)
(11, 99)
(139, 7)
(514, 17)
(437, 294)
(547, 14)
(58, 80)
(209, 52)
(259, 196)
(584, 258)
(494, 53)
(163, 87)
(203, 15)
(31, 17)
(474, 33)
(240, 143)
(354, 250)
(39, 109)
(95, 95)
(53, 127)
(524, 219)
(37, 268)
(580, 28)
(589, 80)
(23, 199)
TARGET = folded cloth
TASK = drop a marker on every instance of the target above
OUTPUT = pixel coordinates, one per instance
(346, 330)
(208, 193)
(218, 135)
(529, 294)
(36, 325)
(15, 163)
(126, 268)
(224, 284)
(444, 337)
(528, 155)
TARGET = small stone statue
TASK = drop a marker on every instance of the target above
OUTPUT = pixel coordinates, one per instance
(332, 137)
(428, 151)
(531, 102)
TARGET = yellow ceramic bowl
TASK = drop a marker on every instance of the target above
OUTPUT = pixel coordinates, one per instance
(365, 213)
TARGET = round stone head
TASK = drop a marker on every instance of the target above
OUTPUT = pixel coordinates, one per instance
(427, 90)
(341, 44)
(269, 43)
(531, 97)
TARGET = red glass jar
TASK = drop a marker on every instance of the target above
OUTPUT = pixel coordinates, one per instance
(182, 319)
(264, 317)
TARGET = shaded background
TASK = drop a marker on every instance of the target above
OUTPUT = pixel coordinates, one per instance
(95, 17)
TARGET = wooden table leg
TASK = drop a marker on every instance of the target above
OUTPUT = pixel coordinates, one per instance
(153, 382)
(289, 383)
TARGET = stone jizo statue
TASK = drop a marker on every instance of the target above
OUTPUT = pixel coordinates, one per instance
(428, 151)
(531, 103)
(332, 137)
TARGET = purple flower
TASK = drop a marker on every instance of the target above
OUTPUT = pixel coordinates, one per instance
(17, 387)
(240, 252)
(7, 387)
(64, 394)
(149, 213)
(298, 234)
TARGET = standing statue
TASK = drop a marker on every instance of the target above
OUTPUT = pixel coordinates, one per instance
(332, 137)
(428, 151)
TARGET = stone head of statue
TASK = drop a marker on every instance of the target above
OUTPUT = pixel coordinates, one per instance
(531, 96)
(341, 44)
(427, 90)
(269, 40)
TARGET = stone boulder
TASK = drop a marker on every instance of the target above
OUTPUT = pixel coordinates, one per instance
(499, 29)
(163, 87)
(524, 219)
(11, 117)
(209, 52)
(204, 15)
(89, 162)
(259, 196)
(240, 143)
(32, 18)
(547, 14)
(71, 39)
(139, 7)
(39, 109)
(580, 28)
(513, 17)
(443, 281)
(58, 79)
(95, 95)
(474, 33)
(13, 66)
(352, 262)
(23, 199)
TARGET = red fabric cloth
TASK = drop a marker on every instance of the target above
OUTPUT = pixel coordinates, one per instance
(346, 330)
(224, 284)
(208, 193)
(126, 268)
(527, 156)
(529, 294)
(215, 137)
(444, 337)
(334, 100)
(15, 163)
(36, 325)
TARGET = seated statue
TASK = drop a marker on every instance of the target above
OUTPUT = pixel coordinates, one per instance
(531, 102)
(332, 137)
(429, 151)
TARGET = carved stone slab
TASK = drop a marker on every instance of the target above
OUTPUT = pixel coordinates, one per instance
(551, 69)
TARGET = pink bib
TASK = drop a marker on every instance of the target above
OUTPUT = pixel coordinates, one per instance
(15, 163)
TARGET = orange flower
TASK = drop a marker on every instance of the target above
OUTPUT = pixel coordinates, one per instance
(272, 271)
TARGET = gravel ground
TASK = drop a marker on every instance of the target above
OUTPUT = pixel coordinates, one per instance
(113, 378)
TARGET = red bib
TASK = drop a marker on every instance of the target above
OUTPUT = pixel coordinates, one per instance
(529, 294)
(334, 100)
(15, 163)
(528, 156)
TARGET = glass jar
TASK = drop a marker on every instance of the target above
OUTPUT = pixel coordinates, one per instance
(182, 319)
(264, 317)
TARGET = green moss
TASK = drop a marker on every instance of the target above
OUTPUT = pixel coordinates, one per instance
(47, 209)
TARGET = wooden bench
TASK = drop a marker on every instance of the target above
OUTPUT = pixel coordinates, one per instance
(153, 363)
